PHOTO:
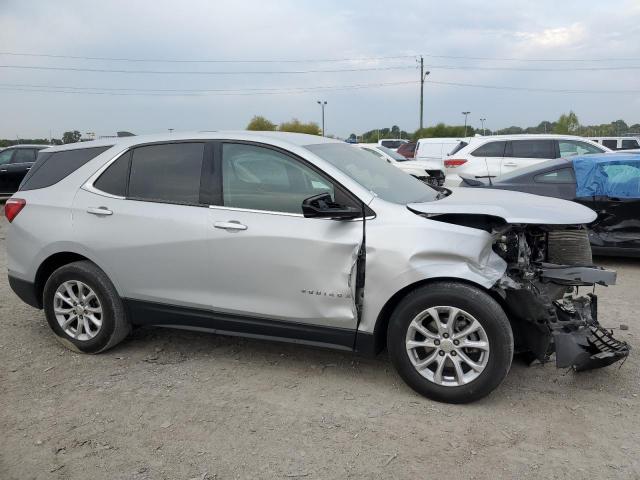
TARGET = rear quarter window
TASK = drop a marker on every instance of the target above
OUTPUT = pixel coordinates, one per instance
(51, 167)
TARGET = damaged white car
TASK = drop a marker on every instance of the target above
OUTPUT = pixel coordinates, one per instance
(303, 239)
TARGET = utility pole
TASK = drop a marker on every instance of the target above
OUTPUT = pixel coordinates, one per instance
(423, 75)
(322, 104)
(170, 130)
(482, 121)
(465, 122)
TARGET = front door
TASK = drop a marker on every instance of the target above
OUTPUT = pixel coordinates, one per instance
(5, 159)
(266, 259)
(20, 164)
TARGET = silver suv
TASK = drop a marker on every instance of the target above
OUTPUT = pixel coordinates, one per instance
(304, 239)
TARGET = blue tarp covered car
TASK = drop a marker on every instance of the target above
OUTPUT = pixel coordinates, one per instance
(612, 176)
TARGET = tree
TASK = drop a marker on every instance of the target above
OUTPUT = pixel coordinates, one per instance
(259, 123)
(297, 126)
(567, 123)
(71, 137)
(441, 130)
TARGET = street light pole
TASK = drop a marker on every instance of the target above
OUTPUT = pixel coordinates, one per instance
(423, 75)
(482, 121)
(465, 122)
(322, 104)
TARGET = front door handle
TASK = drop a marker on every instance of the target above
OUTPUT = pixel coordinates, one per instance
(230, 225)
(101, 211)
(510, 164)
(3, 170)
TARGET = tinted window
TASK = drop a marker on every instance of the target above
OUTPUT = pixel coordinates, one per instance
(114, 179)
(381, 178)
(24, 155)
(533, 149)
(573, 147)
(630, 144)
(5, 156)
(563, 175)
(612, 144)
(260, 178)
(168, 172)
(51, 167)
(458, 147)
(392, 143)
(491, 149)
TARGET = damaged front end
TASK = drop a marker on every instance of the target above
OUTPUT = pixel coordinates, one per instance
(547, 265)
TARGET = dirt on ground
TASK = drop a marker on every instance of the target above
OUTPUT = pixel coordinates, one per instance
(170, 404)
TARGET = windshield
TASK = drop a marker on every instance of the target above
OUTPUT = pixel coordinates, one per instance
(392, 143)
(393, 154)
(381, 178)
(458, 147)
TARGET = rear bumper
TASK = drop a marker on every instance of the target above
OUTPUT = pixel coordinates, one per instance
(25, 290)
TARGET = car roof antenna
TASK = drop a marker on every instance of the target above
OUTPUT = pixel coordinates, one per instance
(486, 164)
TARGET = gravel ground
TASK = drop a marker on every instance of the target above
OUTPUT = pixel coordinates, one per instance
(181, 405)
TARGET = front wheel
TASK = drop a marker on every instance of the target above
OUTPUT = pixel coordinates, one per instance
(83, 308)
(450, 342)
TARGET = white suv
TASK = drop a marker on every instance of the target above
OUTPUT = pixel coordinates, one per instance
(488, 157)
(304, 239)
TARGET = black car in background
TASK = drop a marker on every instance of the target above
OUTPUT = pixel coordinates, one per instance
(15, 162)
(609, 184)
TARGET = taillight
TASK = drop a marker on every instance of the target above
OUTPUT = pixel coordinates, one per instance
(12, 208)
(454, 163)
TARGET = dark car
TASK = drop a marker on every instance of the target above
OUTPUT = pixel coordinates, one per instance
(609, 184)
(407, 150)
(15, 162)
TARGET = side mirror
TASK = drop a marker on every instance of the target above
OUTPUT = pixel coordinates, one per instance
(322, 206)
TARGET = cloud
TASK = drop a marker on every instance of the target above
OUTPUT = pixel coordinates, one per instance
(554, 37)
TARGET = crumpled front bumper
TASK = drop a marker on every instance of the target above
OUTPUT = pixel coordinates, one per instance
(580, 341)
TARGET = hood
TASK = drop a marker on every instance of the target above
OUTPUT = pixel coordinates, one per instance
(513, 207)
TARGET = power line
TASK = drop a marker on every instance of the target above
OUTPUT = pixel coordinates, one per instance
(205, 72)
(534, 69)
(192, 93)
(516, 59)
(173, 60)
(532, 89)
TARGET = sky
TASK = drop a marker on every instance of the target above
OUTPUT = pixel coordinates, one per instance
(572, 46)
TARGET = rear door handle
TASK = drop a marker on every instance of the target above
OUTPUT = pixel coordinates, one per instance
(3, 170)
(510, 164)
(230, 225)
(102, 211)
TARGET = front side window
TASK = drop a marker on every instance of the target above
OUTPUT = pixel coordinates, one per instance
(5, 156)
(612, 144)
(629, 144)
(380, 178)
(167, 173)
(562, 175)
(569, 148)
(259, 178)
(391, 143)
(533, 149)
(491, 149)
(24, 155)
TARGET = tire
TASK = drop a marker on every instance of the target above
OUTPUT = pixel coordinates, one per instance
(457, 381)
(104, 323)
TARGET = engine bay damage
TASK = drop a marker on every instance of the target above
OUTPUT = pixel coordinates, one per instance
(547, 265)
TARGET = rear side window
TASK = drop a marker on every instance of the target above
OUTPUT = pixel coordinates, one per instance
(612, 144)
(562, 175)
(630, 144)
(114, 179)
(52, 167)
(167, 173)
(533, 149)
(24, 155)
(458, 147)
(491, 149)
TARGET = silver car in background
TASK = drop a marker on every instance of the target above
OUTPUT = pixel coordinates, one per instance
(304, 239)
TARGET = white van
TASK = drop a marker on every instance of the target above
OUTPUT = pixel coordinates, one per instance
(618, 143)
(434, 150)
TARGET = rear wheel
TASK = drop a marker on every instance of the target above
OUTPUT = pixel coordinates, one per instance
(83, 308)
(450, 342)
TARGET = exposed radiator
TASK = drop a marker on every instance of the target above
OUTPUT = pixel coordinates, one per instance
(569, 247)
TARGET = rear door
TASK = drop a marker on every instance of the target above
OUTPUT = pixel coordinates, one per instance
(524, 153)
(144, 223)
(486, 159)
(5, 160)
(22, 161)
(266, 259)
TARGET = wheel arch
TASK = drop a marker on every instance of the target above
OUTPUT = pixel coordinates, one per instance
(382, 321)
